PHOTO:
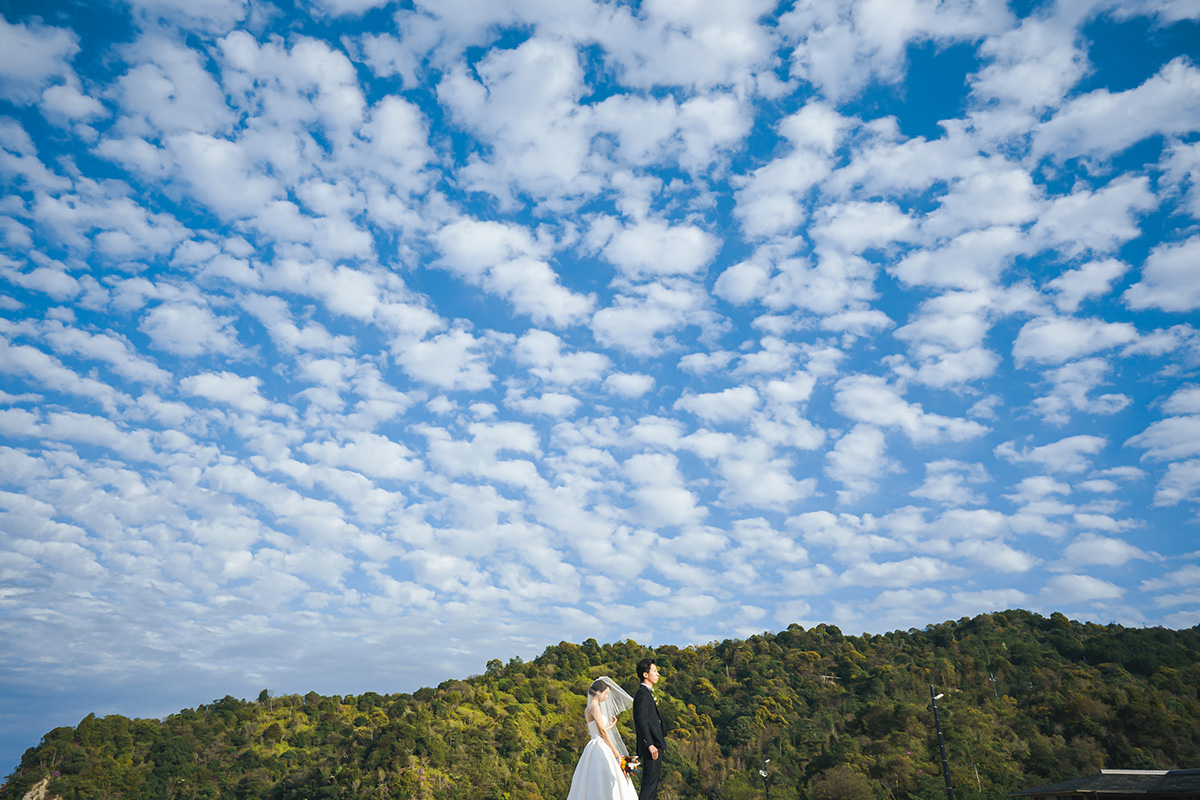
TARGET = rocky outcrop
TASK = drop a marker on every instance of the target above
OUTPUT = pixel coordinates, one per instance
(39, 791)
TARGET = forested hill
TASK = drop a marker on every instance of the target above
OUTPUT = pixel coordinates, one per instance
(1028, 701)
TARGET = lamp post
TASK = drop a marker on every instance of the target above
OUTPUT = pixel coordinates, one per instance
(766, 778)
(937, 722)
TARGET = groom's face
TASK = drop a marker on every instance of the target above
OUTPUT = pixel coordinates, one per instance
(652, 675)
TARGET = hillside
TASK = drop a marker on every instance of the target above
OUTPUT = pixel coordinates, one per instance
(1029, 700)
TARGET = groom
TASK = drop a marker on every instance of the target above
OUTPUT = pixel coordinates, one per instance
(648, 726)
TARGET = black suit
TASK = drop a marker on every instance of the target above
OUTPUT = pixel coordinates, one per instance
(647, 724)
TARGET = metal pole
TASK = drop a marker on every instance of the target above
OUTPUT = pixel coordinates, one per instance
(937, 722)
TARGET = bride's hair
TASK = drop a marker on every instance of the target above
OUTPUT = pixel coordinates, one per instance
(596, 688)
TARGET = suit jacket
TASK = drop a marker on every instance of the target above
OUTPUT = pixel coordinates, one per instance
(647, 724)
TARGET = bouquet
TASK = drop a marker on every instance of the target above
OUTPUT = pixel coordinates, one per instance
(630, 765)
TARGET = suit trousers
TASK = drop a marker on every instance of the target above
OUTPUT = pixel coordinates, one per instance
(651, 771)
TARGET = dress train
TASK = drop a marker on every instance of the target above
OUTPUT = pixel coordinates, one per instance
(598, 774)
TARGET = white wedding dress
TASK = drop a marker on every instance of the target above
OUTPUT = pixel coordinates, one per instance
(598, 775)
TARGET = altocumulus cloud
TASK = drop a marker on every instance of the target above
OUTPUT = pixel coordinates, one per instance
(345, 348)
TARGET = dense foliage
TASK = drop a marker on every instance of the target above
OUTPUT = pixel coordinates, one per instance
(1028, 700)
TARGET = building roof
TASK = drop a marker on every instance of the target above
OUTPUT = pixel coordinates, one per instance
(1125, 782)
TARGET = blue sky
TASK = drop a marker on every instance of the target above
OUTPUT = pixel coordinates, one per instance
(346, 345)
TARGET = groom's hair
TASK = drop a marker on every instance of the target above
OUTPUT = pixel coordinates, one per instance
(643, 667)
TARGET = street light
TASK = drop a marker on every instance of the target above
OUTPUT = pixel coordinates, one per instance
(937, 722)
(766, 778)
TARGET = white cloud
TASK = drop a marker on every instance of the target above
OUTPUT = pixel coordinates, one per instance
(312, 82)
(849, 537)
(1053, 340)
(543, 352)
(1181, 482)
(909, 598)
(189, 330)
(1072, 387)
(1096, 222)
(1092, 279)
(629, 384)
(114, 351)
(167, 90)
(1103, 124)
(858, 461)
(550, 404)
(870, 399)
(694, 133)
(1183, 619)
(350, 7)
(856, 227)
(506, 260)
(1168, 278)
(386, 55)
(1185, 400)
(653, 247)
(1070, 455)
(753, 475)
(1091, 549)
(1186, 577)
(756, 538)
(212, 15)
(700, 45)
(90, 429)
(371, 454)
(480, 456)
(1170, 439)
(946, 338)
(99, 218)
(885, 163)
(641, 319)
(658, 489)
(273, 312)
(658, 431)
(360, 294)
(903, 573)
(775, 356)
(970, 523)
(743, 282)
(333, 237)
(34, 55)
(972, 261)
(397, 146)
(1033, 65)
(65, 103)
(222, 174)
(772, 200)
(1079, 589)
(1000, 194)
(841, 48)
(729, 405)
(996, 555)
(1182, 175)
(57, 283)
(987, 600)
(948, 482)
(450, 360)
(838, 283)
(471, 247)
(525, 106)
(21, 161)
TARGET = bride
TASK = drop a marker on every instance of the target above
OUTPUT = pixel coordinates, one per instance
(598, 775)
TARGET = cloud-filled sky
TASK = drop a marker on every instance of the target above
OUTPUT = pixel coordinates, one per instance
(348, 344)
